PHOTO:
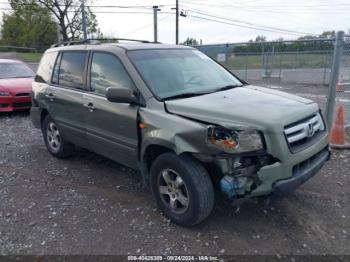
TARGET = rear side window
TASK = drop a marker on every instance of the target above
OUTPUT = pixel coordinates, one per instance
(107, 71)
(47, 63)
(71, 72)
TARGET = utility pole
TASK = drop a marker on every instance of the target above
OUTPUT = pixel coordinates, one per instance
(155, 22)
(177, 22)
(83, 16)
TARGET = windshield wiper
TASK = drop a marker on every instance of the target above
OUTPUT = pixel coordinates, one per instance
(226, 88)
(22, 76)
(185, 95)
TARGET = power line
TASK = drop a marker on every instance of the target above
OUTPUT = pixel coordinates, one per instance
(313, 8)
(99, 12)
(244, 26)
(148, 25)
(255, 25)
(99, 6)
(118, 12)
(287, 9)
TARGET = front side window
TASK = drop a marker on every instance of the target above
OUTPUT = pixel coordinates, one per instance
(107, 71)
(174, 72)
(72, 69)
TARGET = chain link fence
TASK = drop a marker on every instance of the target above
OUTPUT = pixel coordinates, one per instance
(301, 61)
(294, 66)
(345, 63)
(343, 97)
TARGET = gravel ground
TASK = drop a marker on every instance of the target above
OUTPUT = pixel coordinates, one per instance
(89, 205)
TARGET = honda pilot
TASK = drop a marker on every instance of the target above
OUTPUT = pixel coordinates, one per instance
(193, 130)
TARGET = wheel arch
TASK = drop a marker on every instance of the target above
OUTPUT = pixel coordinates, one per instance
(152, 151)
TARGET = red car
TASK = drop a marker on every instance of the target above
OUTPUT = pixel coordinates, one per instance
(15, 85)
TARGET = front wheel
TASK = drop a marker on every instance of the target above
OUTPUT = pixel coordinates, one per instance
(54, 141)
(182, 188)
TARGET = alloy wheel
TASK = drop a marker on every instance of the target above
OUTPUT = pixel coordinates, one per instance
(53, 137)
(173, 191)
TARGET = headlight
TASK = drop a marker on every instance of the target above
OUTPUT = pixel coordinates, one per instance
(234, 141)
(4, 93)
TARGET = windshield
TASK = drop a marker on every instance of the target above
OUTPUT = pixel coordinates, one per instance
(176, 72)
(15, 70)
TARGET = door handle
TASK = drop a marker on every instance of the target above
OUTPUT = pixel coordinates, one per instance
(90, 106)
(50, 96)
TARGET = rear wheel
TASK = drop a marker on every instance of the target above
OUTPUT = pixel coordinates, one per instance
(54, 141)
(182, 188)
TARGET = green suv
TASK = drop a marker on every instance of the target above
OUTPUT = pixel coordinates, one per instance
(188, 125)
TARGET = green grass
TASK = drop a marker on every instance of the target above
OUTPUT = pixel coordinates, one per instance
(29, 57)
(285, 61)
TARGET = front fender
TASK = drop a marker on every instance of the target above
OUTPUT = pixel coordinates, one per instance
(171, 131)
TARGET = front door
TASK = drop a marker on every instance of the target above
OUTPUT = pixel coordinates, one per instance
(111, 127)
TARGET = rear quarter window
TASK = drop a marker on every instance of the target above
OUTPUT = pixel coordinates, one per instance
(45, 69)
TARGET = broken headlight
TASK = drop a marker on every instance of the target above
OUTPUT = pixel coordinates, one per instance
(235, 141)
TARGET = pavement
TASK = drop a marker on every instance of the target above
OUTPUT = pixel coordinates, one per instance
(8, 55)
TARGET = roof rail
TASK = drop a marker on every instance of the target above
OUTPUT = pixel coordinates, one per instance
(96, 41)
(122, 39)
(67, 43)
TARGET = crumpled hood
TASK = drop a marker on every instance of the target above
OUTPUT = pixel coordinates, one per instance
(16, 85)
(249, 106)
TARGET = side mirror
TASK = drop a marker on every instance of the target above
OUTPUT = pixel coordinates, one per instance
(121, 95)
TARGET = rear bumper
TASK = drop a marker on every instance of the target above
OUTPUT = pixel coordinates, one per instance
(12, 103)
(301, 173)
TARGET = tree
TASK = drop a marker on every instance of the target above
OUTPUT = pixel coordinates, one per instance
(328, 34)
(260, 38)
(68, 15)
(190, 41)
(30, 26)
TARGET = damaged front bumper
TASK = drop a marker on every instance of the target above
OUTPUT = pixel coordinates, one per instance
(301, 173)
(279, 176)
(283, 178)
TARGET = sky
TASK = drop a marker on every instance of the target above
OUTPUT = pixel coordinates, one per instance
(298, 17)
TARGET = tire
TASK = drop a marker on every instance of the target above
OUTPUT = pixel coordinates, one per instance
(54, 141)
(194, 188)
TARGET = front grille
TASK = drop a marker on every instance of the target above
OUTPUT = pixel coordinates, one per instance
(3, 105)
(28, 104)
(23, 94)
(306, 164)
(305, 132)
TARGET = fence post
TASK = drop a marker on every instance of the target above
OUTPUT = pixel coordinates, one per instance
(246, 69)
(227, 54)
(263, 58)
(334, 77)
(324, 68)
(280, 73)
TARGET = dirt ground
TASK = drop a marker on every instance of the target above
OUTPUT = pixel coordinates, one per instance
(90, 205)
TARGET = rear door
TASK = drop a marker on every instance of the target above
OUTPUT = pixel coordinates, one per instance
(65, 95)
(111, 127)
